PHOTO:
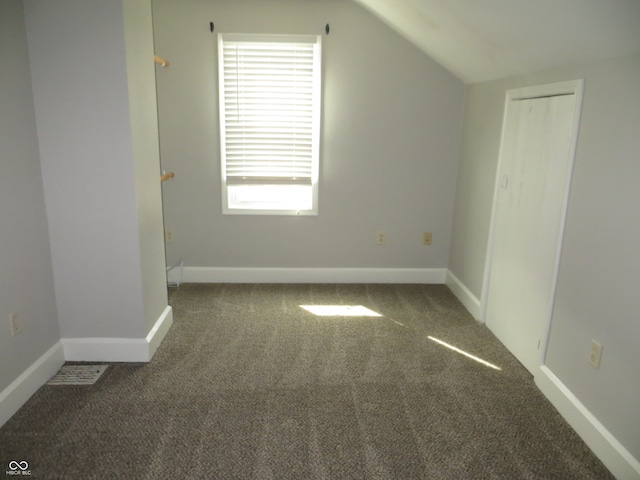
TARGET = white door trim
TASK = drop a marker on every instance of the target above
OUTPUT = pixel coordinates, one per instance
(572, 87)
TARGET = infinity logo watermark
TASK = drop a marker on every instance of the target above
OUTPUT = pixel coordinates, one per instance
(18, 468)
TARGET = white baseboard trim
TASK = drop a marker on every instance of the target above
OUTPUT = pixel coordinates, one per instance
(159, 331)
(468, 299)
(313, 275)
(21, 389)
(606, 447)
(119, 349)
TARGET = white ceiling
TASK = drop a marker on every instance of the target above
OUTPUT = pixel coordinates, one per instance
(479, 40)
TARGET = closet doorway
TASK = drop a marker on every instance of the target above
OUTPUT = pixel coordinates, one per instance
(532, 186)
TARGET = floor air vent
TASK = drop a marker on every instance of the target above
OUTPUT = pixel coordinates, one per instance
(77, 375)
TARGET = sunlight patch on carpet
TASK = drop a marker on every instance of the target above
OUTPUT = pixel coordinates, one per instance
(340, 311)
(466, 354)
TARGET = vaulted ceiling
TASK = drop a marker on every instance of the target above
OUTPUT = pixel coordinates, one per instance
(479, 40)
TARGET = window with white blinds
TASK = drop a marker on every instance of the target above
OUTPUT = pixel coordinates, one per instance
(270, 123)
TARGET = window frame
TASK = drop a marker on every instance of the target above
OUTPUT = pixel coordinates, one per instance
(230, 189)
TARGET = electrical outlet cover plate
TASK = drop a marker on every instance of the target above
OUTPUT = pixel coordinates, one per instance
(15, 324)
(596, 354)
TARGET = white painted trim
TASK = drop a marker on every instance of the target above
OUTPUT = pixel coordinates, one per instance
(159, 330)
(466, 297)
(21, 389)
(119, 349)
(606, 447)
(313, 275)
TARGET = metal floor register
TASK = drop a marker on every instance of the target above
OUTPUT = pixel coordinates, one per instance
(77, 375)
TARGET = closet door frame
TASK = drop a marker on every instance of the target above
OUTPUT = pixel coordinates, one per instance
(576, 88)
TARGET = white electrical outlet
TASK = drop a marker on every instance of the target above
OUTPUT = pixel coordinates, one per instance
(382, 238)
(596, 354)
(15, 324)
(168, 236)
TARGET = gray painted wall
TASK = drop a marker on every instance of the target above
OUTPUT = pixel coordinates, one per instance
(26, 277)
(389, 148)
(98, 171)
(597, 285)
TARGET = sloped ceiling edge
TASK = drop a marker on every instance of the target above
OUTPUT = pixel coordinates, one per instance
(481, 41)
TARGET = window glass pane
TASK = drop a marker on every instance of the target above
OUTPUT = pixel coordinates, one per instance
(270, 121)
(271, 197)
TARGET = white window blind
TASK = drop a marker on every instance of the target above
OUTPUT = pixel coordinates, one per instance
(269, 111)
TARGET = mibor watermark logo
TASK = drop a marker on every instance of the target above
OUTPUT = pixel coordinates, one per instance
(18, 467)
